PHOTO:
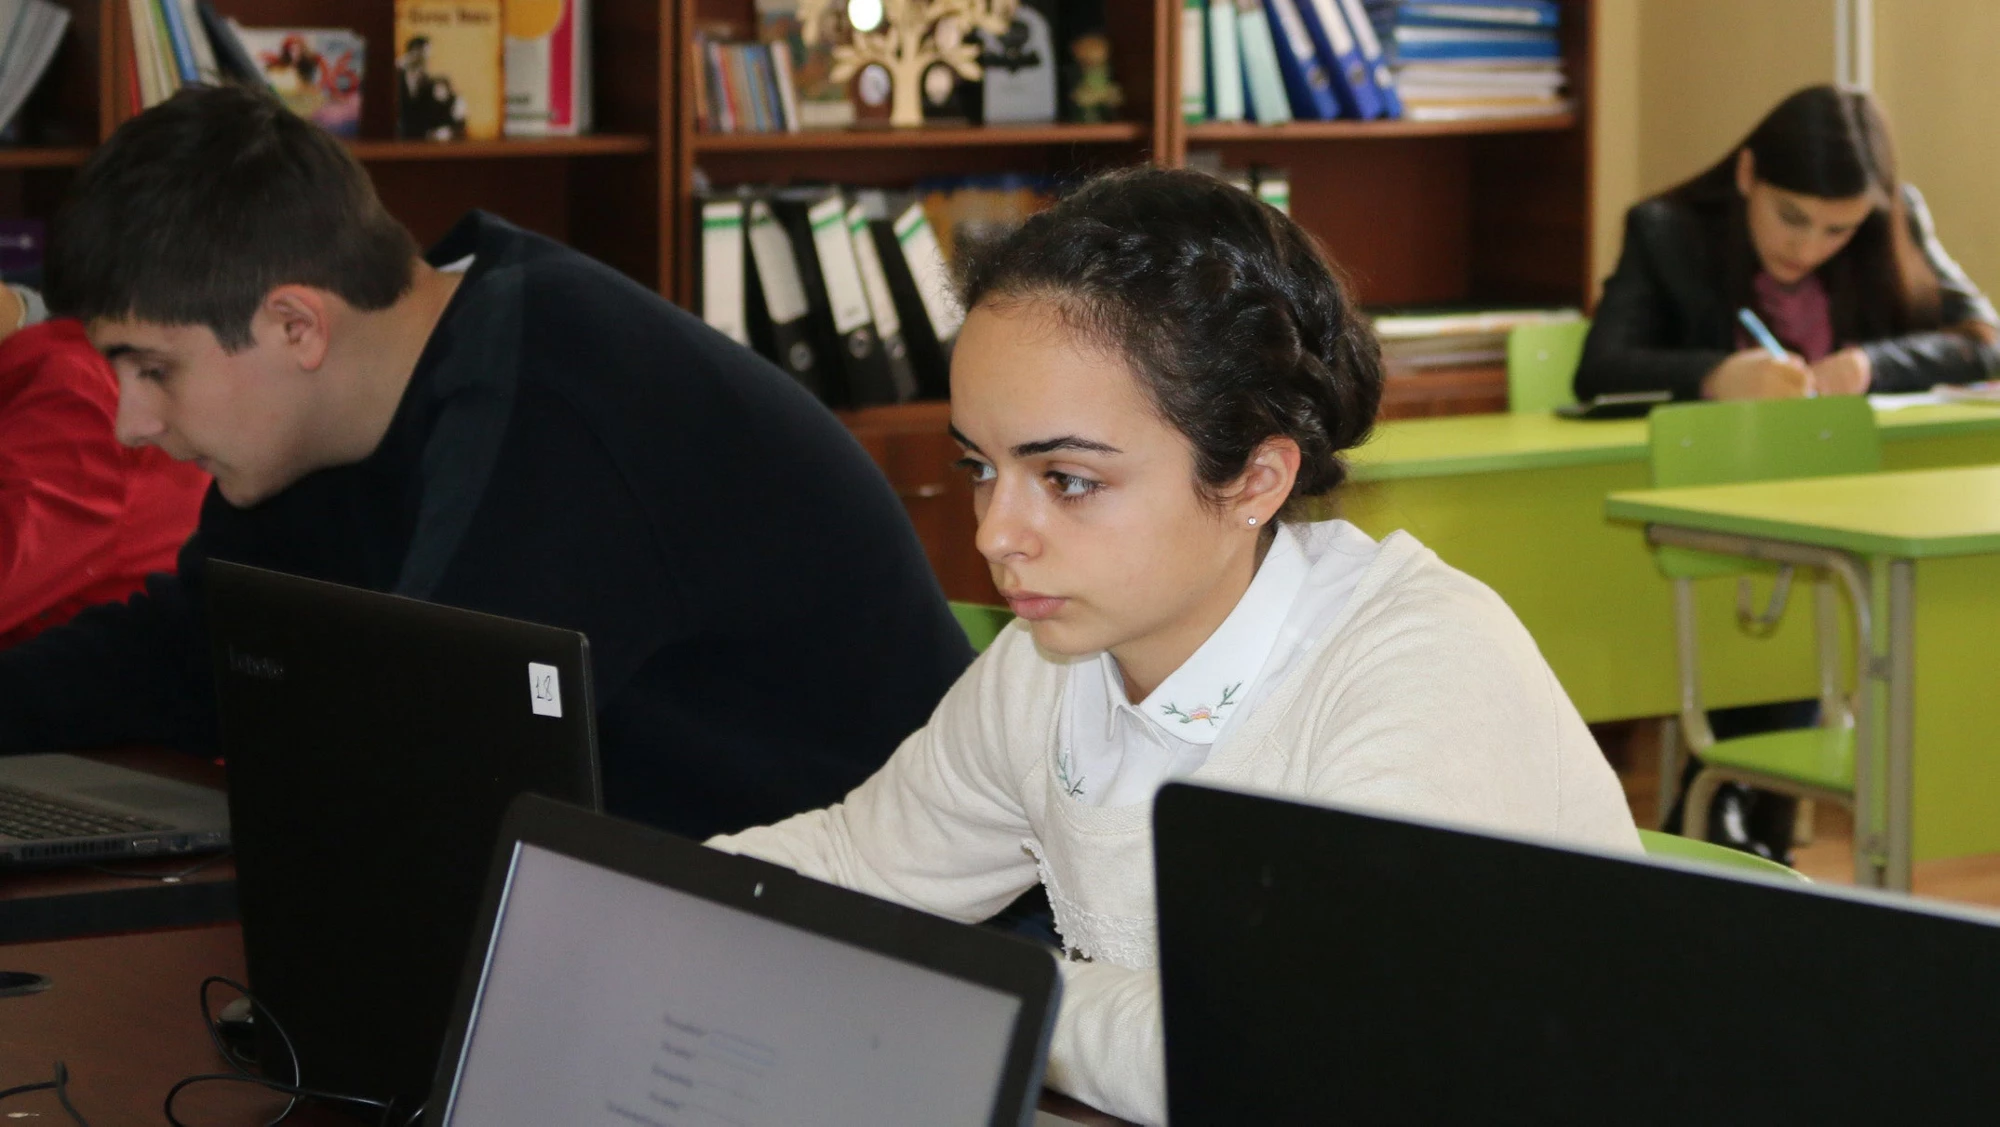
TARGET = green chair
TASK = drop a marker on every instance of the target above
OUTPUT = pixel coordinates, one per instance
(1717, 443)
(981, 623)
(1659, 844)
(1541, 365)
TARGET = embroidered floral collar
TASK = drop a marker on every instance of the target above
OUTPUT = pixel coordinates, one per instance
(1196, 701)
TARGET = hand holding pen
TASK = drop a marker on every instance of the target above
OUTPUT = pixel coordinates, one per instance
(1766, 372)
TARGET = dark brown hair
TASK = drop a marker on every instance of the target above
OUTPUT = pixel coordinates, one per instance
(1232, 317)
(1833, 143)
(196, 209)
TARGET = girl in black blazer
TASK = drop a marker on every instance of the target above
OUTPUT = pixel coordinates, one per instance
(1805, 223)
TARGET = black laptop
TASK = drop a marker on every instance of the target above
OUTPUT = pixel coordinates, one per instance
(1323, 965)
(626, 976)
(373, 743)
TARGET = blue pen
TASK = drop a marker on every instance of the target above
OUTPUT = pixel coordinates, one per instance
(1760, 333)
(1763, 337)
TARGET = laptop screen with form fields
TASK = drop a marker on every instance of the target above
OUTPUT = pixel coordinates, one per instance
(610, 1000)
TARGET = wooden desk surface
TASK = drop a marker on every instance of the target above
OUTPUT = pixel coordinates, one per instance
(121, 1012)
(64, 901)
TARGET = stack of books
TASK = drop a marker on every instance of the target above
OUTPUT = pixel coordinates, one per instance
(1456, 338)
(1464, 60)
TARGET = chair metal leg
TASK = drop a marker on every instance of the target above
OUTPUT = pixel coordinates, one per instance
(1672, 760)
(1802, 822)
(1700, 793)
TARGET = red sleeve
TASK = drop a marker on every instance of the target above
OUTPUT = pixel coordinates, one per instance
(62, 470)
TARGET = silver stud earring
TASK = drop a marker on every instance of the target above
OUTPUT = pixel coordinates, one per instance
(1253, 522)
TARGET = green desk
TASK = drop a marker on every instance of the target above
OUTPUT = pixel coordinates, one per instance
(1518, 501)
(1921, 550)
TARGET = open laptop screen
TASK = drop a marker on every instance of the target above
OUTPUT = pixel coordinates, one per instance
(609, 999)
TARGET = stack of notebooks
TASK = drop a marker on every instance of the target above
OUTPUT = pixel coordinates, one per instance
(33, 29)
(1465, 60)
(1273, 61)
(1456, 338)
(847, 292)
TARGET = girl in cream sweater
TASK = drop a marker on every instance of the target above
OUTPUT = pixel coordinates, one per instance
(1154, 379)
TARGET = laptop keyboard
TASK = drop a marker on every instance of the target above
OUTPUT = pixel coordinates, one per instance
(28, 816)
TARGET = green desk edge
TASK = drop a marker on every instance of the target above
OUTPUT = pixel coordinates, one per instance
(1462, 444)
(1913, 514)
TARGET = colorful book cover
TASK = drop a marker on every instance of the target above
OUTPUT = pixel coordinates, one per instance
(315, 71)
(448, 70)
(548, 68)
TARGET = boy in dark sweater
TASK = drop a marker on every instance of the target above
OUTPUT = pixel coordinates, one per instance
(502, 424)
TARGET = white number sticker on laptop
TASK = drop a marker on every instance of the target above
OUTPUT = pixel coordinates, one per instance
(544, 689)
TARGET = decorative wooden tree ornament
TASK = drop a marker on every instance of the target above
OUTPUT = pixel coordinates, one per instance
(914, 35)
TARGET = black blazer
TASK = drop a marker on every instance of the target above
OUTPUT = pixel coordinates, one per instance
(1663, 323)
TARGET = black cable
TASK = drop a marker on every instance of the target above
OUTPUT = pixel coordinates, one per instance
(295, 1090)
(24, 1089)
(62, 1094)
(60, 1086)
(174, 877)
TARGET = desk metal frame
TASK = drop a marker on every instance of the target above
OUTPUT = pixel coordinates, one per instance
(1883, 785)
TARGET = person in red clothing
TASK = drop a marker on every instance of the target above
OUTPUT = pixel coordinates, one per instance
(83, 518)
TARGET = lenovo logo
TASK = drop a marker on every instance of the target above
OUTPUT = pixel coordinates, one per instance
(250, 665)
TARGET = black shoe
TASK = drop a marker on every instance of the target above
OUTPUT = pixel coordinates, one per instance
(1730, 817)
(1773, 817)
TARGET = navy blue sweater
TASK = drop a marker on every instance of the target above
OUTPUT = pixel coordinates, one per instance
(574, 450)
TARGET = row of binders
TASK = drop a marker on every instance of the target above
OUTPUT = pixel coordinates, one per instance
(850, 296)
(1274, 61)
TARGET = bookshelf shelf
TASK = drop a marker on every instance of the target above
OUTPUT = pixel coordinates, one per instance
(44, 157)
(938, 137)
(1214, 132)
(598, 145)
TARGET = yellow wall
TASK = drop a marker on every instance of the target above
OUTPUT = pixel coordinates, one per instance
(1614, 169)
(1709, 69)
(1680, 81)
(1934, 74)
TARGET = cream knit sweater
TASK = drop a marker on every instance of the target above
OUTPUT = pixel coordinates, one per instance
(1426, 697)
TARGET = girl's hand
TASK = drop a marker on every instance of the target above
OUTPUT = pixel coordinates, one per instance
(1846, 372)
(1755, 374)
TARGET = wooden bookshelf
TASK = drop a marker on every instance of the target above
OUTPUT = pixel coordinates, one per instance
(44, 156)
(613, 205)
(930, 137)
(1414, 212)
(539, 149)
(1222, 132)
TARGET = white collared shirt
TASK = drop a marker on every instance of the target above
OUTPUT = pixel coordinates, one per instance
(1114, 752)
